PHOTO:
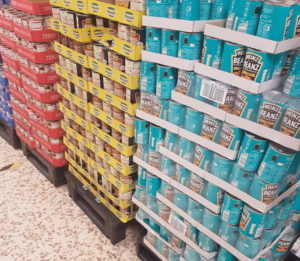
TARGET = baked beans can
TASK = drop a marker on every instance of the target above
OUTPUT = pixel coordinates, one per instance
(268, 236)
(231, 137)
(142, 152)
(282, 246)
(296, 205)
(151, 203)
(251, 222)
(156, 137)
(169, 42)
(231, 209)
(171, 141)
(137, 35)
(196, 90)
(212, 52)
(203, 157)
(271, 217)
(157, 8)
(185, 82)
(191, 232)
(182, 175)
(166, 190)
(180, 199)
(275, 20)
(176, 113)
(189, 10)
(211, 220)
(249, 246)
(233, 58)
(206, 243)
(140, 194)
(219, 9)
(193, 120)
(186, 149)
(241, 178)
(153, 39)
(173, 9)
(167, 166)
(165, 81)
(152, 184)
(292, 84)
(190, 254)
(195, 210)
(257, 66)
(278, 65)
(146, 103)
(160, 107)
(163, 211)
(221, 167)
(229, 232)
(141, 129)
(275, 163)
(211, 128)
(124, 32)
(224, 255)
(251, 152)
(291, 120)
(287, 206)
(214, 194)
(148, 77)
(190, 45)
(294, 27)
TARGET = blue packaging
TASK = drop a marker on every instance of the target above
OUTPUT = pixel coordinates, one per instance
(193, 121)
(296, 205)
(169, 42)
(219, 9)
(165, 81)
(173, 9)
(197, 184)
(224, 255)
(141, 131)
(211, 128)
(167, 166)
(195, 210)
(152, 184)
(268, 236)
(221, 167)
(142, 174)
(140, 194)
(166, 190)
(157, 8)
(153, 39)
(212, 52)
(156, 138)
(148, 77)
(190, 45)
(190, 254)
(241, 178)
(151, 202)
(180, 200)
(186, 149)
(189, 10)
(231, 137)
(185, 82)
(165, 234)
(287, 205)
(271, 217)
(171, 141)
(214, 194)
(163, 211)
(229, 233)
(211, 220)
(197, 89)
(154, 225)
(203, 157)
(191, 232)
(206, 243)
(248, 246)
(182, 175)
(160, 108)
(231, 209)
(176, 113)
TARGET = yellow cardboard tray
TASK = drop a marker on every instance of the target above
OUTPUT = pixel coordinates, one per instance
(74, 5)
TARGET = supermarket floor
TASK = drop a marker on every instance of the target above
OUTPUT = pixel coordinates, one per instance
(41, 222)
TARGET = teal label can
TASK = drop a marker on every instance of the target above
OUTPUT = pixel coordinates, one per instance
(291, 86)
(257, 66)
(165, 234)
(180, 200)
(142, 152)
(221, 167)
(263, 190)
(152, 185)
(275, 19)
(197, 88)
(173, 9)
(241, 178)
(154, 158)
(176, 113)
(287, 206)
(224, 255)
(205, 9)
(294, 28)
(203, 157)
(141, 131)
(166, 190)
(190, 45)
(153, 39)
(193, 120)
(186, 149)
(212, 52)
(167, 166)
(191, 232)
(146, 101)
(190, 254)
(154, 226)
(231, 14)
(229, 233)
(189, 10)
(250, 247)
(185, 82)
(282, 246)
(252, 222)
(231, 209)
(246, 105)
(288, 62)
(211, 220)
(148, 77)
(214, 194)
(142, 174)
(197, 184)
(171, 141)
(157, 8)
(219, 9)
(140, 194)
(165, 81)
(182, 175)
(231, 137)
(157, 136)
(160, 108)
(233, 58)
(271, 218)
(275, 163)
(169, 42)
(268, 236)
(206, 243)
(251, 152)
(278, 64)
(195, 210)
(291, 120)
(211, 128)
(163, 211)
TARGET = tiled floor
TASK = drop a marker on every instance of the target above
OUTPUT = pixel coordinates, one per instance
(41, 222)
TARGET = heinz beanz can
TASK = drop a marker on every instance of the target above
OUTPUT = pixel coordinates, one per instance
(257, 66)
(165, 81)
(271, 218)
(152, 184)
(291, 120)
(228, 232)
(205, 9)
(241, 178)
(212, 52)
(171, 141)
(197, 184)
(211, 128)
(186, 149)
(287, 205)
(203, 157)
(233, 58)
(282, 246)
(224, 255)
(214, 194)
(248, 246)
(182, 175)
(153, 39)
(180, 200)
(231, 137)
(156, 138)
(141, 131)
(201, 81)
(195, 210)
(173, 9)
(189, 10)
(167, 166)
(142, 174)
(292, 84)
(169, 42)
(251, 152)
(211, 220)
(221, 167)
(294, 28)
(157, 8)
(185, 82)
(166, 190)
(278, 64)
(231, 209)
(252, 222)
(160, 108)
(148, 77)
(190, 45)
(231, 15)
(246, 105)
(206, 243)
(190, 254)
(176, 113)
(193, 120)
(219, 9)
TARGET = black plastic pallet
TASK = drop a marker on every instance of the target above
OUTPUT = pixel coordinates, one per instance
(56, 175)
(143, 252)
(113, 228)
(9, 135)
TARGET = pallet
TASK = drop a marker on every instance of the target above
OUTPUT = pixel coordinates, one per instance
(9, 135)
(56, 175)
(113, 228)
(143, 252)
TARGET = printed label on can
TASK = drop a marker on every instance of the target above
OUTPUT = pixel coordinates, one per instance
(199, 156)
(269, 114)
(283, 245)
(209, 128)
(237, 61)
(183, 82)
(226, 136)
(269, 192)
(196, 183)
(291, 123)
(252, 66)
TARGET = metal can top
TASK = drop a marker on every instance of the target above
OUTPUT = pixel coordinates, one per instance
(275, 96)
(281, 149)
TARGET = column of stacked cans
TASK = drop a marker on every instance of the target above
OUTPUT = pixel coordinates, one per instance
(29, 66)
(261, 168)
(100, 86)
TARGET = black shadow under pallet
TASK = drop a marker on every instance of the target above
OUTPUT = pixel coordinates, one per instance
(56, 175)
(9, 135)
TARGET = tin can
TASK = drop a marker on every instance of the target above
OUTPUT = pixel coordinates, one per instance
(154, 226)
(190, 45)
(156, 137)
(287, 206)
(173, 256)
(152, 184)
(231, 15)
(196, 90)
(163, 211)
(203, 157)
(224, 255)
(257, 66)
(212, 52)
(251, 152)
(233, 58)
(143, 215)
(231, 137)
(263, 190)
(222, 95)
(292, 84)
(167, 166)
(165, 81)
(197, 184)
(146, 102)
(247, 16)
(185, 82)
(154, 158)
(182, 175)
(190, 254)
(165, 234)
(250, 247)
(291, 120)
(137, 35)
(211, 220)
(142, 174)
(193, 120)
(205, 9)
(252, 222)
(246, 104)
(288, 62)
(221, 167)
(206, 243)
(229, 233)
(189, 10)
(231, 209)
(180, 200)
(241, 178)
(282, 246)
(160, 108)
(186, 149)
(191, 232)
(141, 129)
(294, 27)
(153, 39)
(211, 128)
(271, 218)
(275, 20)
(219, 9)
(173, 9)
(140, 194)
(176, 113)
(278, 64)
(166, 190)
(171, 141)
(276, 160)
(195, 210)
(272, 109)
(268, 236)
(157, 8)
(214, 194)
(169, 42)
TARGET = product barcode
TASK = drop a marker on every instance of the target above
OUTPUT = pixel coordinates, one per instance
(213, 91)
(243, 160)
(176, 223)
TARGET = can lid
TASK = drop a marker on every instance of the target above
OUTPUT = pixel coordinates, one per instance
(275, 96)
(294, 103)
(282, 149)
